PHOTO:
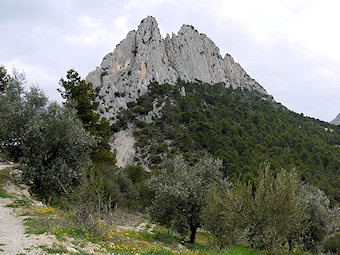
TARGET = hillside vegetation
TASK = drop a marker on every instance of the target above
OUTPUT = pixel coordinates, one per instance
(243, 128)
(232, 162)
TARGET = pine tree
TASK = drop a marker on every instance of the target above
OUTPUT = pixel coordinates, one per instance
(82, 96)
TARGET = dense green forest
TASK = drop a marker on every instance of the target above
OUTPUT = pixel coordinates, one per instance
(243, 128)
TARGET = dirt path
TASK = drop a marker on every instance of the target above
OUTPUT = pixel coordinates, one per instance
(13, 239)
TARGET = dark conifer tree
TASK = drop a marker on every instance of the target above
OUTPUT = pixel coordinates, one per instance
(81, 95)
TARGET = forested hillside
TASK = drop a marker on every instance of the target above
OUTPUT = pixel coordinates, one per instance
(243, 128)
(215, 153)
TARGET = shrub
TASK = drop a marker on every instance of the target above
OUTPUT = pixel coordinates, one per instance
(89, 201)
(180, 192)
(317, 224)
(267, 214)
(332, 244)
(55, 149)
(226, 214)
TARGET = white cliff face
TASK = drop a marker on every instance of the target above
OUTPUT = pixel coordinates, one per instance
(144, 57)
(123, 143)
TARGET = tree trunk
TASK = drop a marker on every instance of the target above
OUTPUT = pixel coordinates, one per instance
(193, 230)
(290, 245)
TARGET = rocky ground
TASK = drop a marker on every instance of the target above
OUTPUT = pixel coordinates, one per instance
(17, 239)
(13, 239)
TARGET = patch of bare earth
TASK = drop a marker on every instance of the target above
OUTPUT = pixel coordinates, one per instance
(13, 239)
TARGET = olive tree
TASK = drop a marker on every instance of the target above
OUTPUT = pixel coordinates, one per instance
(319, 216)
(48, 138)
(227, 211)
(11, 121)
(277, 209)
(181, 191)
(55, 149)
(266, 214)
(18, 107)
(4, 78)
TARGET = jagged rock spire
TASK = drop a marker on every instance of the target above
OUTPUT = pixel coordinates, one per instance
(143, 56)
(336, 121)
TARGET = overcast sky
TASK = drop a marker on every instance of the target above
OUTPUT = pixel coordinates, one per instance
(291, 47)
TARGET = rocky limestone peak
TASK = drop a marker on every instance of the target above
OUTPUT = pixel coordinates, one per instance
(187, 30)
(148, 30)
(144, 56)
(336, 121)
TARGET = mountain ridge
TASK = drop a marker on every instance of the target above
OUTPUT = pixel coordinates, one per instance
(336, 121)
(144, 56)
(158, 107)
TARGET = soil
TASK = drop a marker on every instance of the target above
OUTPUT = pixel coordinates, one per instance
(13, 239)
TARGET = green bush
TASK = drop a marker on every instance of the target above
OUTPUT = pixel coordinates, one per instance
(332, 244)
(180, 192)
(317, 224)
(81, 95)
(136, 174)
(55, 149)
(267, 214)
(89, 201)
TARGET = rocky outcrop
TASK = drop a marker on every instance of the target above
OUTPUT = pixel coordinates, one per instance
(123, 143)
(336, 121)
(144, 56)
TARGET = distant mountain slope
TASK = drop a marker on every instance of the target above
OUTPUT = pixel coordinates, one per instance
(244, 128)
(178, 95)
(144, 56)
(336, 121)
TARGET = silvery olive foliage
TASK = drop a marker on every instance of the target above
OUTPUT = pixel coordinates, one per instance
(319, 219)
(181, 191)
(277, 212)
(4, 78)
(266, 214)
(47, 138)
(226, 214)
(55, 149)
(17, 109)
